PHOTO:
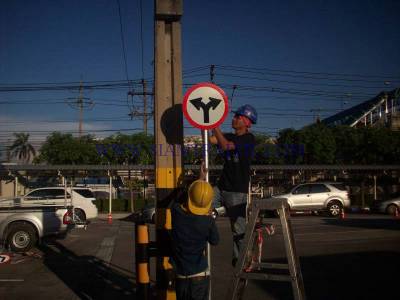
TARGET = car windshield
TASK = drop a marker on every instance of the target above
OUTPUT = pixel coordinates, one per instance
(287, 189)
(84, 193)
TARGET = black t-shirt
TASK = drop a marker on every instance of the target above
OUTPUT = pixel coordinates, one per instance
(236, 172)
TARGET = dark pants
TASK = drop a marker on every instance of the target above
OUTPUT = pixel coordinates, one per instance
(192, 288)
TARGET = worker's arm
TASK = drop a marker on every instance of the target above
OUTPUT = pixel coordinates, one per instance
(203, 171)
(222, 141)
(213, 140)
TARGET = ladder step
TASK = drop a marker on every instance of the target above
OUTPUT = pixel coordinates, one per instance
(267, 270)
(272, 266)
(265, 276)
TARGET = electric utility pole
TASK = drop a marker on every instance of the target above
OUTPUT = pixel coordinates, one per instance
(144, 114)
(168, 127)
(80, 103)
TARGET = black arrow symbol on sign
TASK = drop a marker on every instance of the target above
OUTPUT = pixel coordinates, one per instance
(206, 107)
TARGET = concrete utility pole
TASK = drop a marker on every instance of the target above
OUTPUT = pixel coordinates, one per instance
(168, 126)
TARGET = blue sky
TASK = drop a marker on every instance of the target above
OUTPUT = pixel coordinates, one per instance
(287, 59)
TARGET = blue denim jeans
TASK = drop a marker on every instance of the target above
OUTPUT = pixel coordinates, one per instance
(192, 289)
(235, 204)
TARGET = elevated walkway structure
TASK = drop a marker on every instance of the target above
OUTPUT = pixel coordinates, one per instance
(380, 110)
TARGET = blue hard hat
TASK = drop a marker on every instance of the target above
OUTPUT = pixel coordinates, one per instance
(247, 111)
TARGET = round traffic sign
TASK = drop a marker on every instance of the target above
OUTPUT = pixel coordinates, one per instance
(205, 105)
(4, 258)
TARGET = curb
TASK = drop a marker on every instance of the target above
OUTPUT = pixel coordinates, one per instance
(115, 216)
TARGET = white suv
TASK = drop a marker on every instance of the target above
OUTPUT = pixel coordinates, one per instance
(82, 200)
(330, 196)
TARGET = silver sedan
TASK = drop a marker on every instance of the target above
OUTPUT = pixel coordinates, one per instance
(387, 207)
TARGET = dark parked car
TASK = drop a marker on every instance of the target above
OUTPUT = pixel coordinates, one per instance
(387, 206)
(147, 214)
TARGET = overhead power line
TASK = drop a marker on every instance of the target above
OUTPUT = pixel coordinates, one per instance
(141, 35)
(299, 82)
(327, 75)
(95, 82)
(63, 121)
(123, 41)
(302, 92)
(73, 131)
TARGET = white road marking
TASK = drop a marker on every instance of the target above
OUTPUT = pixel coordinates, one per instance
(106, 249)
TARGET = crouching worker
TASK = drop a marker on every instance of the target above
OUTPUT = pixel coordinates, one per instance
(192, 228)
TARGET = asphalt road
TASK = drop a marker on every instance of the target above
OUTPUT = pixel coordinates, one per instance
(354, 258)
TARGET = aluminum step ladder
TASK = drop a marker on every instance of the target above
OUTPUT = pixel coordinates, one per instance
(258, 271)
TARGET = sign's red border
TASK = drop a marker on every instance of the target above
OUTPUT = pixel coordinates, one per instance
(185, 103)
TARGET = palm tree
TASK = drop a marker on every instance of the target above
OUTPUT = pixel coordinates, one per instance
(21, 148)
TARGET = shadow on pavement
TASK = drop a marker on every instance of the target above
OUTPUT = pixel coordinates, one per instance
(88, 276)
(131, 218)
(363, 275)
(390, 224)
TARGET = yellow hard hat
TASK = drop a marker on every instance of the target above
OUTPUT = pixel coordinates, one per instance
(201, 194)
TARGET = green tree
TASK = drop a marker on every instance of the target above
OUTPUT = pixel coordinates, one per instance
(319, 144)
(21, 148)
(290, 147)
(377, 145)
(349, 145)
(127, 149)
(266, 151)
(62, 148)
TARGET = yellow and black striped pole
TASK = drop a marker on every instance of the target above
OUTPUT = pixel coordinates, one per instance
(142, 261)
(168, 126)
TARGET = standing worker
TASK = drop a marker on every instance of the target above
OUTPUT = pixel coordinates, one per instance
(192, 228)
(233, 184)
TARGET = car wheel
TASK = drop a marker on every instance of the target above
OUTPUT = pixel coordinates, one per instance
(391, 209)
(80, 215)
(334, 208)
(21, 237)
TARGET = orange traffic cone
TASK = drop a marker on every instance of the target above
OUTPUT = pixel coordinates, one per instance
(109, 218)
(342, 215)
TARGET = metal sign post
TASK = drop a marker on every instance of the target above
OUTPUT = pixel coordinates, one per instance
(205, 159)
(205, 106)
(205, 153)
(65, 191)
(109, 219)
(72, 198)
